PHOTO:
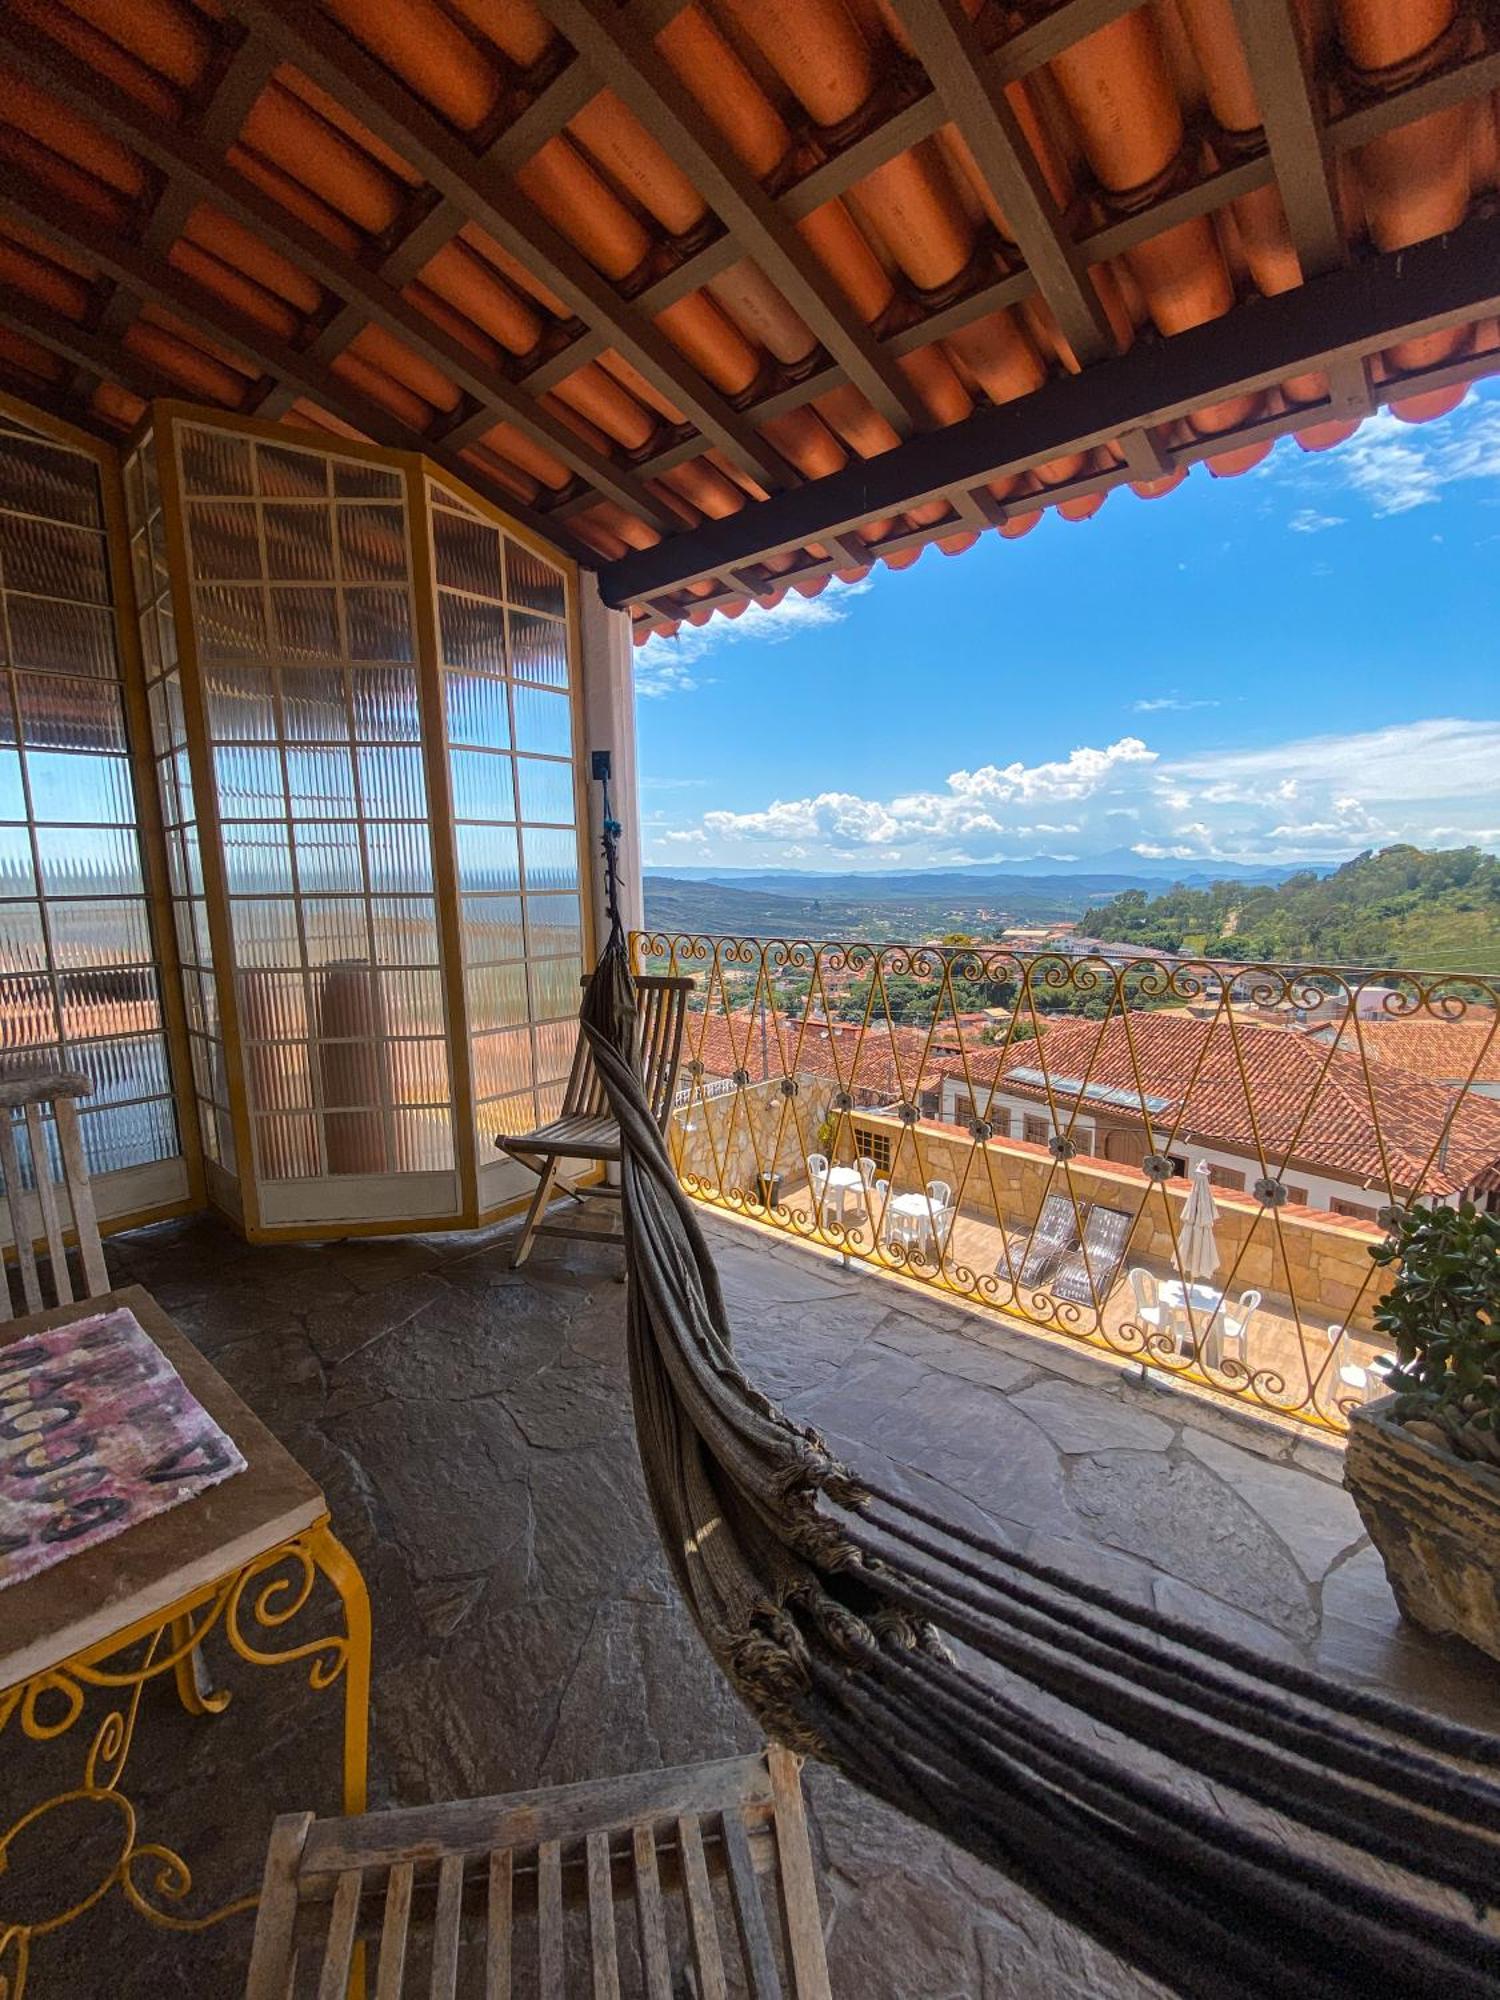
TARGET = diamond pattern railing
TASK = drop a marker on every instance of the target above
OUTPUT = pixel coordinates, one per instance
(1183, 1162)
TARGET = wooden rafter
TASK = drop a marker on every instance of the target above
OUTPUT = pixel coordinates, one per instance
(332, 58)
(974, 98)
(183, 156)
(1362, 309)
(624, 59)
(1299, 158)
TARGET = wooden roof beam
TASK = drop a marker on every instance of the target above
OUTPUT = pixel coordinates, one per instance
(624, 59)
(975, 100)
(332, 58)
(1369, 306)
(1299, 157)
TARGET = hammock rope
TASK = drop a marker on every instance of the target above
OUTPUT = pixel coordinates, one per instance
(1231, 1825)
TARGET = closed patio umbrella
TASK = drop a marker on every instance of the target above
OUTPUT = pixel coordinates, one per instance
(1196, 1245)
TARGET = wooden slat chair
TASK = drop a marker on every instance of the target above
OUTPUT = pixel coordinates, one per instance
(65, 1202)
(645, 1884)
(584, 1129)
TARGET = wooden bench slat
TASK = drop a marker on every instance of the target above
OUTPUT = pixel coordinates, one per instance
(649, 1915)
(46, 1193)
(549, 1916)
(497, 1951)
(749, 1912)
(20, 1213)
(450, 1900)
(272, 1954)
(799, 1884)
(393, 1932)
(333, 1984)
(604, 1944)
(698, 1894)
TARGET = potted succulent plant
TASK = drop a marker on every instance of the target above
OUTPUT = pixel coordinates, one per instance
(1423, 1462)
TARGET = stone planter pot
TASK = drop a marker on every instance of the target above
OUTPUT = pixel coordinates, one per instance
(1436, 1522)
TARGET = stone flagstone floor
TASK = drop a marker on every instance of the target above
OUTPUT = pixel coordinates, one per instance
(470, 1425)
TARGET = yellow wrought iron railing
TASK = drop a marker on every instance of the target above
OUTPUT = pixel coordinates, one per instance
(1182, 1162)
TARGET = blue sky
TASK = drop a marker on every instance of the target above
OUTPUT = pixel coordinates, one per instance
(1292, 665)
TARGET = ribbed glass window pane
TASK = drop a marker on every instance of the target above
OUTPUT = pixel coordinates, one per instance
(419, 1072)
(61, 638)
(12, 791)
(83, 861)
(53, 559)
(335, 929)
(94, 1004)
(128, 1135)
(400, 857)
(406, 931)
(539, 649)
(273, 1006)
(554, 987)
(93, 789)
(353, 481)
(290, 475)
(555, 1044)
(213, 462)
(249, 782)
(385, 705)
(484, 785)
(320, 783)
(265, 932)
(477, 712)
(492, 929)
(472, 633)
(551, 856)
(372, 544)
(532, 581)
(545, 790)
(424, 1141)
(379, 624)
(257, 858)
(414, 1003)
(467, 553)
(240, 708)
(100, 933)
(280, 1076)
(41, 478)
(286, 1147)
(299, 543)
(394, 783)
(544, 722)
(231, 621)
(17, 877)
(554, 925)
(226, 541)
(28, 1012)
(488, 859)
(63, 714)
(313, 707)
(23, 946)
(328, 857)
(496, 996)
(502, 1062)
(121, 1070)
(306, 622)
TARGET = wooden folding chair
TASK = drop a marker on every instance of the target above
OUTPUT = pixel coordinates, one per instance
(584, 1129)
(34, 1096)
(517, 1895)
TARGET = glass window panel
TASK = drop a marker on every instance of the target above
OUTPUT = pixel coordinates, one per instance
(225, 537)
(141, 572)
(59, 714)
(41, 478)
(385, 705)
(544, 722)
(28, 1012)
(166, 634)
(23, 945)
(100, 933)
(492, 929)
(419, 1072)
(299, 543)
(210, 999)
(125, 1069)
(287, 474)
(53, 559)
(69, 787)
(497, 1115)
(192, 994)
(118, 1002)
(208, 1132)
(484, 785)
(472, 633)
(286, 1147)
(538, 650)
(128, 1135)
(467, 553)
(313, 708)
(393, 783)
(372, 544)
(406, 931)
(150, 644)
(551, 857)
(85, 861)
(414, 1003)
(549, 1099)
(424, 1141)
(249, 782)
(545, 790)
(555, 1044)
(279, 1076)
(12, 791)
(307, 622)
(487, 858)
(240, 709)
(555, 988)
(400, 859)
(379, 624)
(265, 932)
(353, 481)
(502, 1062)
(532, 581)
(328, 857)
(16, 876)
(61, 638)
(8, 731)
(203, 937)
(497, 995)
(182, 923)
(231, 621)
(273, 1006)
(212, 461)
(335, 928)
(257, 858)
(477, 711)
(554, 925)
(320, 783)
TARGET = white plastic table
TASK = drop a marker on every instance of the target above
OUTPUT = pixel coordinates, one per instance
(839, 1185)
(914, 1213)
(1207, 1305)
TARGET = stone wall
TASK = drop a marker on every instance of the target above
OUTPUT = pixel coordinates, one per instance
(724, 1142)
(1322, 1261)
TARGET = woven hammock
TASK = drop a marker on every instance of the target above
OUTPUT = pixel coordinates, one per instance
(1231, 1825)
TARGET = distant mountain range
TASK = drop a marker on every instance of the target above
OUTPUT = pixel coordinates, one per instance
(1099, 875)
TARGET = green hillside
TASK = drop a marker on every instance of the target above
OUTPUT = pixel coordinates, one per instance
(1401, 907)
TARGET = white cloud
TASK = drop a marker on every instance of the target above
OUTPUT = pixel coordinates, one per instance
(1392, 466)
(1308, 521)
(664, 666)
(1427, 782)
(1154, 704)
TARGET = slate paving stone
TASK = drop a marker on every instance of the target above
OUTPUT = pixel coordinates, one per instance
(471, 1428)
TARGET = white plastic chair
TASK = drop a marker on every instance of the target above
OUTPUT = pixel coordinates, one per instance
(817, 1174)
(1149, 1310)
(1236, 1325)
(1366, 1383)
(867, 1170)
(940, 1201)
